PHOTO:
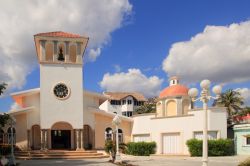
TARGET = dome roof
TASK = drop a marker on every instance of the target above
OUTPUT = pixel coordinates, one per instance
(174, 90)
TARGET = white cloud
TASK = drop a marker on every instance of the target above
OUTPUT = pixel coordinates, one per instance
(20, 20)
(245, 93)
(94, 53)
(132, 81)
(219, 53)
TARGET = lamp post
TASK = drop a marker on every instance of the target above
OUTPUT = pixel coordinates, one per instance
(12, 160)
(204, 98)
(117, 121)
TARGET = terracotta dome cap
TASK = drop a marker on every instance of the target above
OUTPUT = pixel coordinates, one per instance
(174, 90)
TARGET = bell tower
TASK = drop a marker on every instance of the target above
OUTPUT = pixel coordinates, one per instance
(60, 56)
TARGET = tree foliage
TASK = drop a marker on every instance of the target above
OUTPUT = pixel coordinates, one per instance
(3, 117)
(148, 107)
(2, 88)
(233, 101)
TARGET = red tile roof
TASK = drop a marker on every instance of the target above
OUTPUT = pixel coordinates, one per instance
(59, 34)
(121, 95)
(174, 90)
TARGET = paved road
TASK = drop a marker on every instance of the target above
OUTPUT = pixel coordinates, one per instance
(141, 161)
(183, 161)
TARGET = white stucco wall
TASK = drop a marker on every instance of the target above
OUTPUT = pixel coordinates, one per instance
(54, 110)
(106, 106)
(185, 125)
(88, 116)
(33, 117)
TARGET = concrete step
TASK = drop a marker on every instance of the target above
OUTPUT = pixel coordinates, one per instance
(60, 157)
(59, 154)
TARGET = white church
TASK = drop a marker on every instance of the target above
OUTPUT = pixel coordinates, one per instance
(61, 114)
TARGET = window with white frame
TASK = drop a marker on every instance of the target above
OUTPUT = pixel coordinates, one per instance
(211, 135)
(142, 138)
(9, 131)
(123, 102)
(127, 113)
(120, 135)
(108, 134)
(129, 102)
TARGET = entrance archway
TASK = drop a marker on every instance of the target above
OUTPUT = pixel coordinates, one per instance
(36, 137)
(61, 136)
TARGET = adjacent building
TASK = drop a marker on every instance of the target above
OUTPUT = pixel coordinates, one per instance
(176, 121)
(122, 103)
(242, 136)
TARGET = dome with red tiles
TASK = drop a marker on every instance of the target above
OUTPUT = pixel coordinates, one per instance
(174, 89)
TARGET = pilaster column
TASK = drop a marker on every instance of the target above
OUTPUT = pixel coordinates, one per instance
(46, 139)
(66, 51)
(82, 145)
(42, 140)
(78, 52)
(28, 140)
(164, 111)
(55, 51)
(77, 139)
(42, 50)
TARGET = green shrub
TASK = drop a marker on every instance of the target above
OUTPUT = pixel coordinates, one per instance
(110, 148)
(5, 149)
(245, 162)
(220, 147)
(122, 147)
(141, 148)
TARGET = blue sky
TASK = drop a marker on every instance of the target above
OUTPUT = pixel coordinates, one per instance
(141, 41)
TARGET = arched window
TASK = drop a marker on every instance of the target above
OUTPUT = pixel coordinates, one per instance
(10, 135)
(120, 135)
(1, 136)
(108, 134)
(171, 108)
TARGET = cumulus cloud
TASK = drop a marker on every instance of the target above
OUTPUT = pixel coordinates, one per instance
(94, 53)
(20, 20)
(132, 81)
(219, 53)
(245, 93)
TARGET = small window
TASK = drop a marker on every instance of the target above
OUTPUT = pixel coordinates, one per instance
(9, 131)
(123, 102)
(248, 140)
(140, 103)
(108, 134)
(127, 113)
(115, 102)
(120, 136)
(129, 102)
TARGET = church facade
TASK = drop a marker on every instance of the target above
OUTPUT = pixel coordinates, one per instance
(61, 114)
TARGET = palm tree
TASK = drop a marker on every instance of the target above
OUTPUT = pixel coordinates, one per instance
(233, 101)
(2, 88)
(3, 117)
